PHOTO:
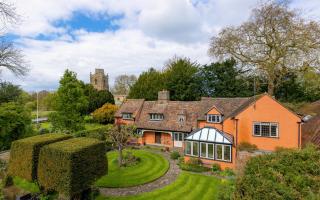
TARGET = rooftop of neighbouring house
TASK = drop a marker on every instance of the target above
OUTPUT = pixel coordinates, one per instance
(180, 115)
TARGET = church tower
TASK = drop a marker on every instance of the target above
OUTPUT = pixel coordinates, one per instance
(99, 80)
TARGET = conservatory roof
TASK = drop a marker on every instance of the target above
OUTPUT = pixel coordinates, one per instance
(210, 134)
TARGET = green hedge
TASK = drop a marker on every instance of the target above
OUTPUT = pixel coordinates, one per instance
(24, 154)
(71, 166)
(288, 174)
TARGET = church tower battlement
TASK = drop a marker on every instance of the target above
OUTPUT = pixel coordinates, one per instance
(99, 80)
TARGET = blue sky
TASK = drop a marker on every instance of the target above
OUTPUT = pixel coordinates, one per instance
(121, 36)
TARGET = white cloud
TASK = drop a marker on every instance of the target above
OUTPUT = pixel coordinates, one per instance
(150, 33)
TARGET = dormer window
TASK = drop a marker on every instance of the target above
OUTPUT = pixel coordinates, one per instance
(156, 117)
(214, 118)
(126, 115)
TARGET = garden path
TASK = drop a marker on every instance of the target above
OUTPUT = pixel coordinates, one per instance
(165, 180)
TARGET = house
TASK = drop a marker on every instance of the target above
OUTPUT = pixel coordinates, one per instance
(212, 128)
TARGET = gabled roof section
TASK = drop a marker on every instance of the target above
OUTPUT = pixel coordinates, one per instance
(209, 134)
(225, 106)
(130, 106)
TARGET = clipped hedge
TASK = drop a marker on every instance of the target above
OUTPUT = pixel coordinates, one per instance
(25, 152)
(287, 174)
(70, 167)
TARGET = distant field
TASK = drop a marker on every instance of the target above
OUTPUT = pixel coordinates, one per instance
(41, 114)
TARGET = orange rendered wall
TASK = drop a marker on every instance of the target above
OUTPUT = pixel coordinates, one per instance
(149, 138)
(267, 109)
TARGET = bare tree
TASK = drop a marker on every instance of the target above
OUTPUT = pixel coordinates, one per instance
(11, 58)
(274, 40)
(119, 136)
(123, 83)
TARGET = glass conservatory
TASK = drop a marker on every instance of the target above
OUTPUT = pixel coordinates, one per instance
(209, 143)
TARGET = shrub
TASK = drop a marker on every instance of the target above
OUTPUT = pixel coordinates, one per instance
(97, 133)
(15, 123)
(43, 131)
(226, 190)
(227, 172)
(194, 161)
(71, 166)
(290, 174)
(105, 114)
(129, 159)
(215, 168)
(246, 146)
(193, 164)
(25, 152)
(175, 155)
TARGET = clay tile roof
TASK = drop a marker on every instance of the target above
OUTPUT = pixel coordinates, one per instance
(172, 110)
(130, 106)
(311, 131)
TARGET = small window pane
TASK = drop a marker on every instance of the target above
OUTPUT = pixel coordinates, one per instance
(227, 153)
(219, 151)
(257, 129)
(274, 130)
(176, 136)
(210, 151)
(188, 148)
(265, 129)
(180, 136)
(203, 150)
(195, 149)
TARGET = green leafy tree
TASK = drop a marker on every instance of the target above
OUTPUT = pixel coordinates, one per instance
(105, 114)
(70, 101)
(96, 98)
(147, 85)
(9, 92)
(15, 123)
(182, 79)
(224, 79)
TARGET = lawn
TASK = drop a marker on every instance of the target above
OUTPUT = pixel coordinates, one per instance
(151, 167)
(188, 186)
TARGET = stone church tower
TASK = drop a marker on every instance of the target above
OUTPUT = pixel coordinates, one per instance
(99, 80)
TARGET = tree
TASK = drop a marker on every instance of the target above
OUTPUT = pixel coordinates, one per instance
(105, 114)
(97, 98)
(15, 123)
(119, 136)
(123, 83)
(182, 79)
(274, 40)
(9, 92)
(224, 79)
(69, 103)
(147, 85)
(11, 58)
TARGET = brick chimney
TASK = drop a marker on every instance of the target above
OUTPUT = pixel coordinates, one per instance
(164, 96)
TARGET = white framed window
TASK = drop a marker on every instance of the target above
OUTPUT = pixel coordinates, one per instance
(192, 148)
(223, 152)
(126, 115)
(156, 117)
(188, 147)
(179, 136)
(207, 150)
(266, 129)
(214, 118)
